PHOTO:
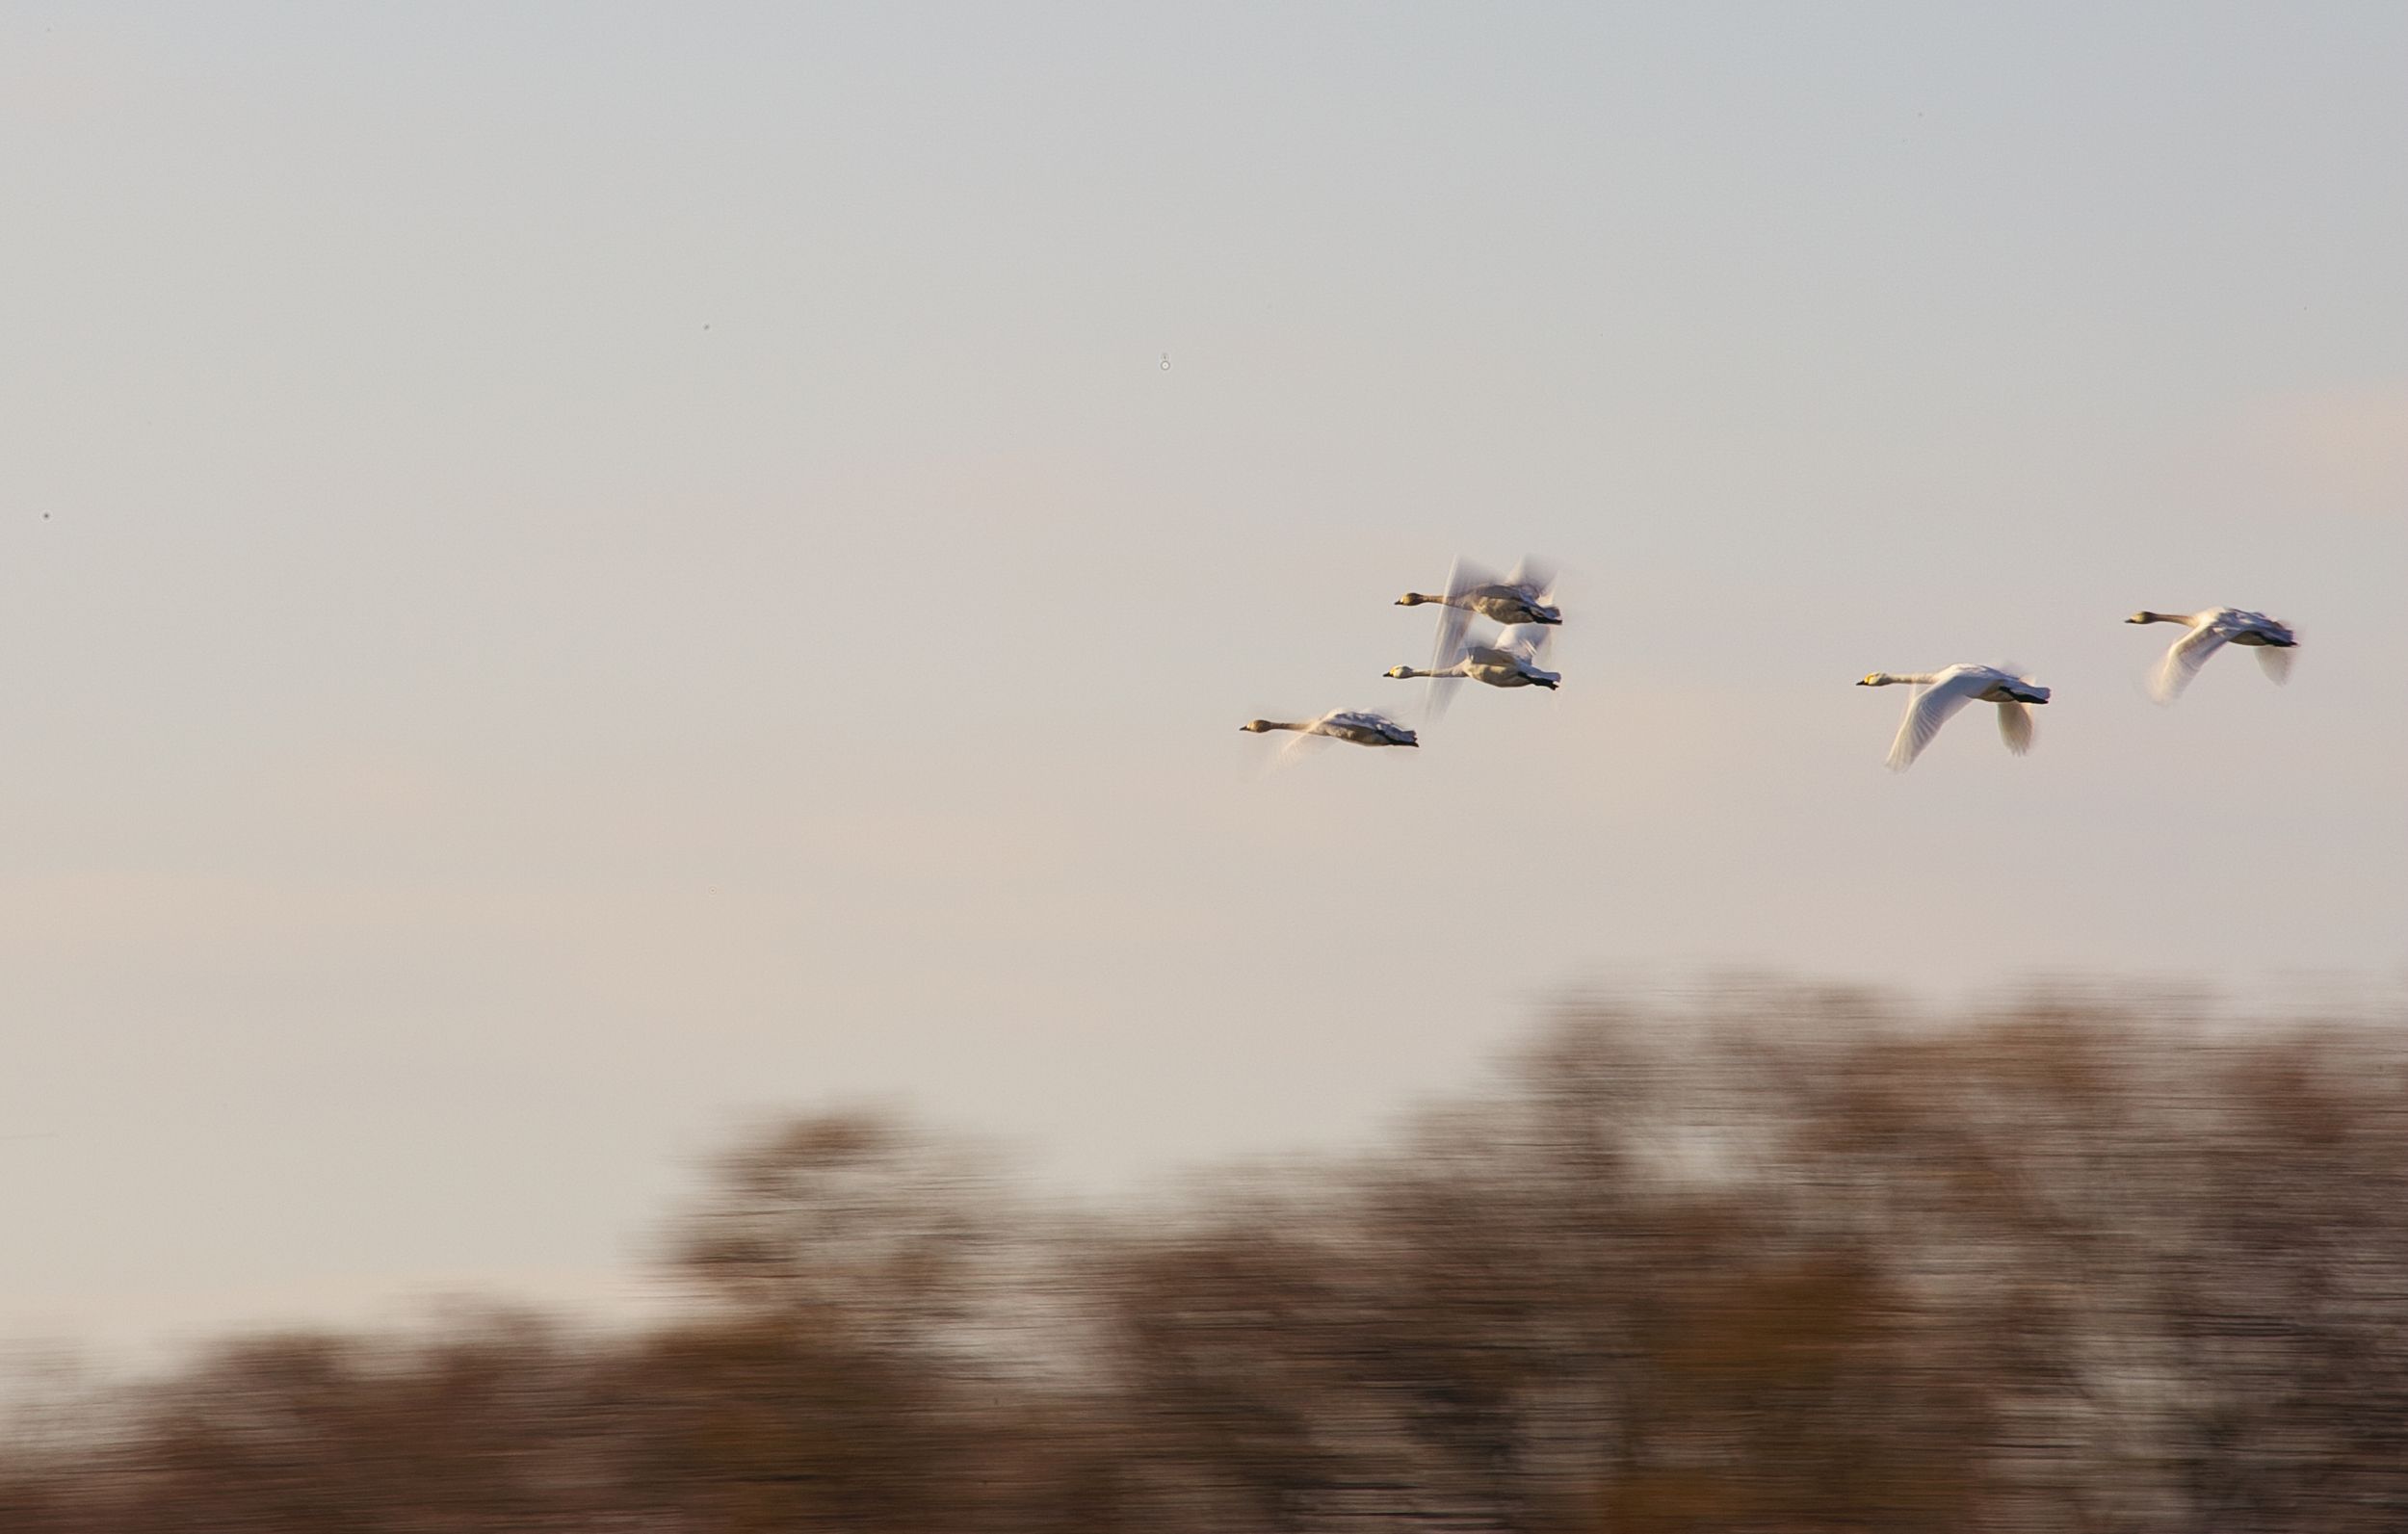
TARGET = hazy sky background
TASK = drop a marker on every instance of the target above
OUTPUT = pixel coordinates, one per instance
(572, 576)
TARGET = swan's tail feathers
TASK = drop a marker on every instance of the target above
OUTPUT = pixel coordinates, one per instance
(2015, 727)
(2276, 660)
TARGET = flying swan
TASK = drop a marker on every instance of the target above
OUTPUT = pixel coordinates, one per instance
(1525, 596)
(2210, 632)
(1510, 660)
(1940, 694)
(1343, 724)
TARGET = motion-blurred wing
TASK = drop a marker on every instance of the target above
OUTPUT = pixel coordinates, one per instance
(2015, 726)
(1454, 620)
(1467, 577)
(1930, 708)
(1528, 640)
(2182, 663)
(2276, 662)
(1300, 746)
(1442, 692)
(1378, 724)
(1537, 578)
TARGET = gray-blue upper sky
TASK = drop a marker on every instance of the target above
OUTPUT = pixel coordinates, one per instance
(572, 572)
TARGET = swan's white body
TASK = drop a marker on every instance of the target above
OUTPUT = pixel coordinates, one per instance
(2210, 632)
(1940, 694)
(1343, 724)
(1510, 660)
(1525, 596)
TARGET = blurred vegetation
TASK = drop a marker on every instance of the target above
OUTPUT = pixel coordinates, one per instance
(1786, 1262)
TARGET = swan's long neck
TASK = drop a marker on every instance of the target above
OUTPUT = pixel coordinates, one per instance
(2183, 619)
(1884, 679)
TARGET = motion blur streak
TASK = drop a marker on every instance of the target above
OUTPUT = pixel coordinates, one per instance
(1783, 1259)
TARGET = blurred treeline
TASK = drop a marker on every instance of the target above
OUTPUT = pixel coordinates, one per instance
(1784, 1261)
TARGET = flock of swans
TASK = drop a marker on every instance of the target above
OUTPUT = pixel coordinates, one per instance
(1521, 609)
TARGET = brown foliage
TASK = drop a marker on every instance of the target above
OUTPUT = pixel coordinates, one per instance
(1792, 1263)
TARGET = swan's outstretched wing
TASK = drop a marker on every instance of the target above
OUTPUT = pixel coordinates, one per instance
(2275, 661)
(1443, 690)
(1465, 577)
(1455, 633)
(1537, 578)
(1529, 640)
(2182, 663)
(1453, 623)
(1300, 746)
(1930, 708)
(1364, 720)
(1454, 620)
(2015, 726)
(1292, 751)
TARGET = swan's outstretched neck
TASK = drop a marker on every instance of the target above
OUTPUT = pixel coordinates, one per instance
(1883, 679)
(1414, 599)
(2159, 617)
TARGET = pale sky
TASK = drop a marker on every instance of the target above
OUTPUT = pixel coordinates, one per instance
(575, 577)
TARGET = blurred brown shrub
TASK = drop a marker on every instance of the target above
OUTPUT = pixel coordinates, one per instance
(1780, 1262)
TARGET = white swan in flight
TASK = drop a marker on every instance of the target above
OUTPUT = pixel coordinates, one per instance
(2210, 632)
(1343, 724)
(1940, 694)
(1525, 596)
(1510, 660)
